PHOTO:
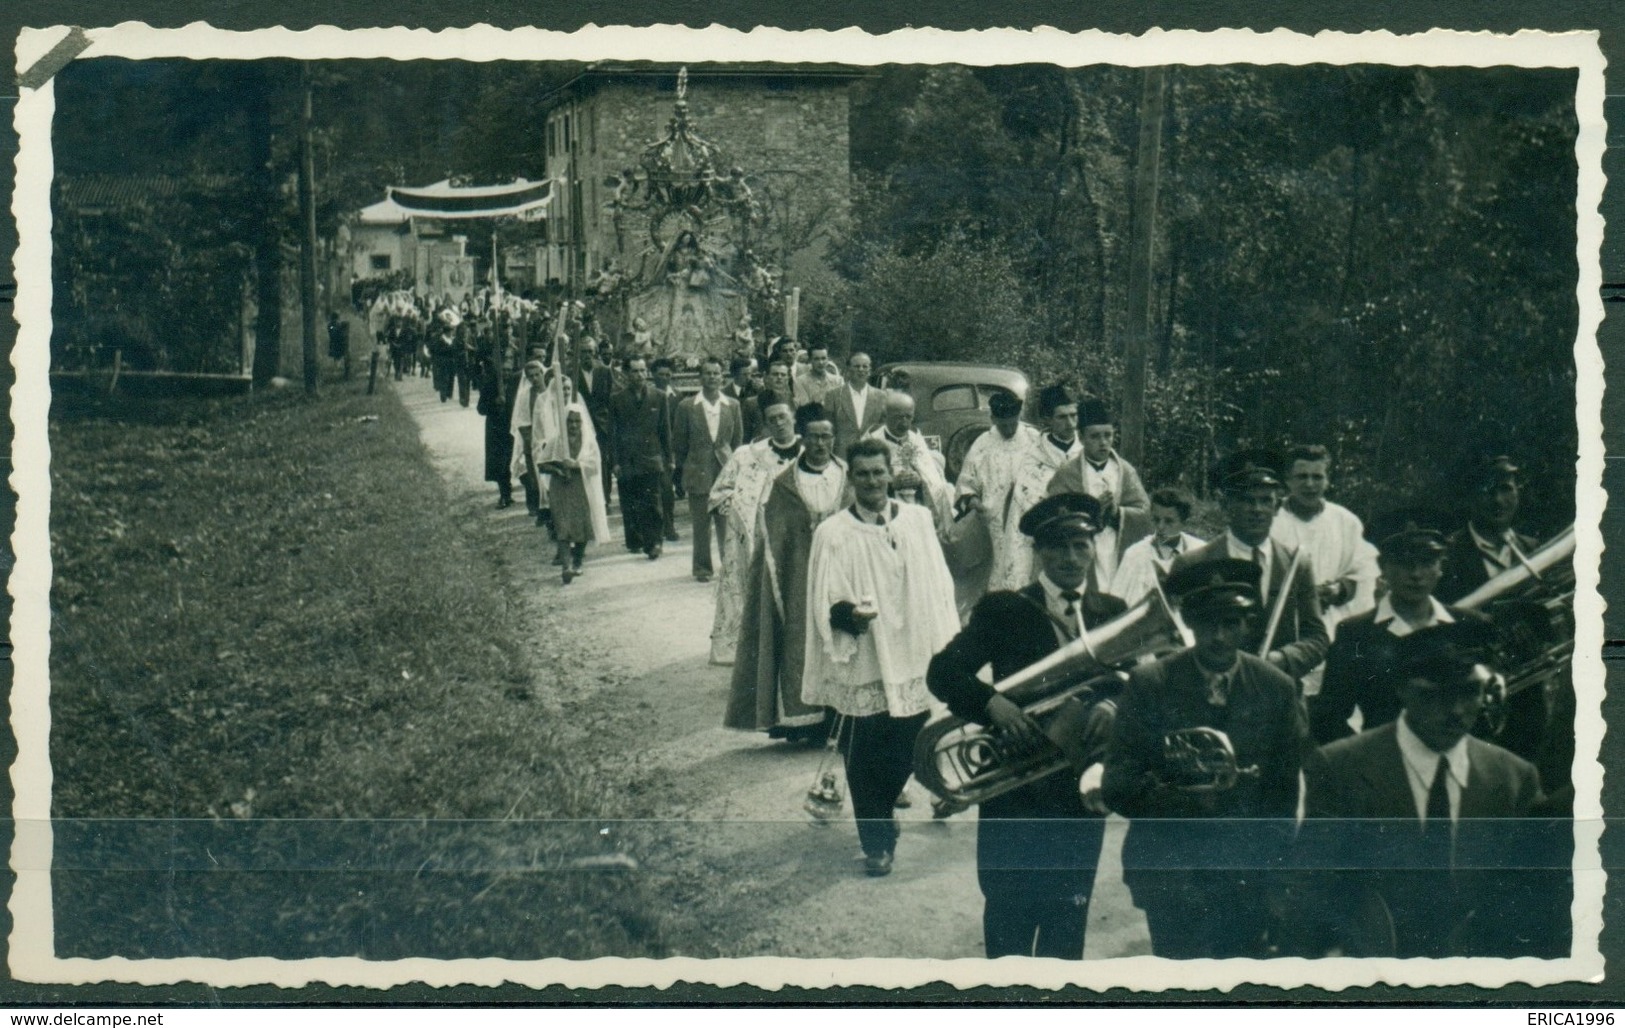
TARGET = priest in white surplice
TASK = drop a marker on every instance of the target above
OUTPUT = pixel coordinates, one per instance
(1058, 414)
(916, 474)
(738, 495)
(987, 482)
(880, 604)
(1100, 471)
(1331, 538)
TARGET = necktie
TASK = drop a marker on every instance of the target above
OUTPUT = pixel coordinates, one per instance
(1071, 596)
(1436, 831)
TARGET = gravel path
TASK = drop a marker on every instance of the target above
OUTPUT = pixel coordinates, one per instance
(726, 841)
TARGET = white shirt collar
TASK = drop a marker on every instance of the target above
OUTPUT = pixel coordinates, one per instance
(1241, 551)
(1399, 627)
(1422, 762)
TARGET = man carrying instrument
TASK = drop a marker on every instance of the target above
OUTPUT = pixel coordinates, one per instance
(1360, 665)
(1204, 760)
(1291, 634)
(1488, 544)
(1036, 846)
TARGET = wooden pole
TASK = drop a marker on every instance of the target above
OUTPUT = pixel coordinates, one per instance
(1142, 247)
(307, 218)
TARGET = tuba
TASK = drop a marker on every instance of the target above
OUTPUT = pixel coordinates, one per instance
(1532, 607)
(966, 763)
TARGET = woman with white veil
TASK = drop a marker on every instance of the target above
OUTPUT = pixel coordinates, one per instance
(568, 453)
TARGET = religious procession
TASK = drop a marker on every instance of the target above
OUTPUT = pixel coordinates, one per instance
(1327, 735)
(895, 512)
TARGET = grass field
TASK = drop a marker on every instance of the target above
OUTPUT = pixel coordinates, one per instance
(275, 631)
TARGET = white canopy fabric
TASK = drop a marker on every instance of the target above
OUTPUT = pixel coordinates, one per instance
(521, 198)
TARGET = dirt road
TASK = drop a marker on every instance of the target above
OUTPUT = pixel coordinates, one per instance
(728, 843)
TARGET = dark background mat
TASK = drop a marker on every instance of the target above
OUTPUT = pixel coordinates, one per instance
(1606, 16)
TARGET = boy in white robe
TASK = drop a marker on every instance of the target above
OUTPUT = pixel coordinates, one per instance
(1331, 538)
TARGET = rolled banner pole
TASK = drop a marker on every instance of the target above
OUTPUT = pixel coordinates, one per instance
(792, 314)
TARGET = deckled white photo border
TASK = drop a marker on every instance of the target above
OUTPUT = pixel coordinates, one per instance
(31, 951)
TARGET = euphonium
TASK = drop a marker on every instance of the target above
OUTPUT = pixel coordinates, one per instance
(966, 763)
(1532, 606)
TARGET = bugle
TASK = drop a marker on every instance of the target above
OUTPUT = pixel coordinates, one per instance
(966, 763)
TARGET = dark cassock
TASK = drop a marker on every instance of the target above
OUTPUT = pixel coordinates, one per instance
(1205, 850)
(498, 384)
(1421, 840)
(1037, 847)
(765, 694)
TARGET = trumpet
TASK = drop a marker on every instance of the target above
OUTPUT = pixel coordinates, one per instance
(966, 763)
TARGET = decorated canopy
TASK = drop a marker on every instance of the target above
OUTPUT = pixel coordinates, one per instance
(520, 198)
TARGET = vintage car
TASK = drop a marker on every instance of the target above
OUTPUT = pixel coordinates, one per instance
(950, 401)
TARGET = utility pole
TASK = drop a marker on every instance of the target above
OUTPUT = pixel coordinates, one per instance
(1142, 246)
(307, 218)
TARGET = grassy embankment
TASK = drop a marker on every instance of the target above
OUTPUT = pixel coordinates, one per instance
(275, 632)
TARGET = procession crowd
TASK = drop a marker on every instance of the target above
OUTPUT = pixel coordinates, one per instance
(1307, 768)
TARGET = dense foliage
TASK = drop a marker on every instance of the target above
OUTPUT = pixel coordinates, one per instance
(1379, 259)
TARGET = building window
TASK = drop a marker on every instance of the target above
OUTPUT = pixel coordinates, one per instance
(380, 262)
(781, 127)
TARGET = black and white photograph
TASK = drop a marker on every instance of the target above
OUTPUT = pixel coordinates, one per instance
(807, 508)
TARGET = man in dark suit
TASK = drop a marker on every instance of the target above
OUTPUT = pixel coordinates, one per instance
(1360, 667)
(1488, 544)
(1204, 761)
(661, 372)
(1037, 846)
(857, 409)
(1418, 834)
(740, 386)
(595, 383)
(1252, 488)
(776, 389)
(706, 430)
(640, 441)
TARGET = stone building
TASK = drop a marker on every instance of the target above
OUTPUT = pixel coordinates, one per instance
(784, 125)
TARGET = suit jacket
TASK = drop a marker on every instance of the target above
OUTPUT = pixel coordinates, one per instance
(1370, 875)
(1360, 673)
(1038, 839)
(1174, 832)
(699, 457)
(1133, 503)
(597, 397)
(844, 417)
(1301, 634)
(1464, 564)
(640, 431)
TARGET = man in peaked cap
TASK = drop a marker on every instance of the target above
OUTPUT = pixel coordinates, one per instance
(1037, 847)
(1361, 665)
(1487, 544)
(1431, 810)
(1251, 488)
(1099, 470)
(1199, 853)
